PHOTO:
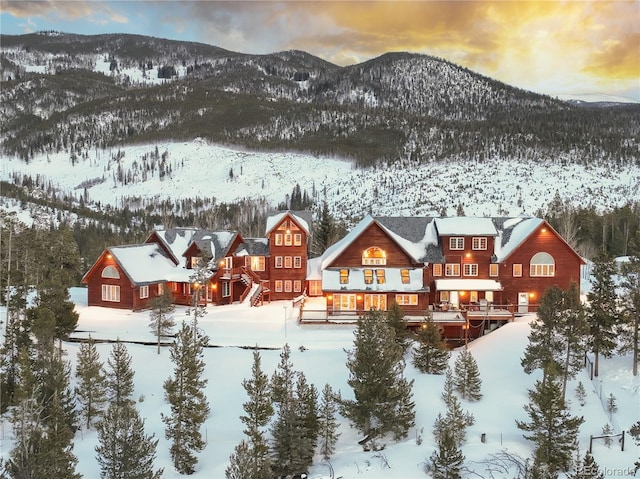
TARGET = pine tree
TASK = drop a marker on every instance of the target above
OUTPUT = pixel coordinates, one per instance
(446, 461)
(283, 430)
(119, 379)
(185, 394)
(574, 329)
(395, 319)
(325, 231)
(124, 451)
(581, 394)
(328, 424)
(629, 329)
(242, 464)
(467, 376)
(28, 431)
(602, 311)
(252, 457)
(431, 355)
(551, 428)
(455, 420)
(161, 315)
(91, 392)
(307, 422)
(383, 397)
(586, 468)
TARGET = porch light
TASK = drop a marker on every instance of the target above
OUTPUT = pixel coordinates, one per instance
(468, 255)
(214, 286)
(544, 230)
(462, 293)
(330, 297)
(109, 256)
(359, 297)
(532, 295)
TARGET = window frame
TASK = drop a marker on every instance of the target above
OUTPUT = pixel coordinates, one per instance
(111, 293)
(297, 239)
(479, 243)
(494, 270)
(144, 291)
(278, 239)
(297, 261)
(288, 262)
(452, 269)
(344, 276)
(470, 269)
(456, 243)
(407, 299)
(226, 289)
(278, 262)
(437, 269)
(405, 277)
(517, 270)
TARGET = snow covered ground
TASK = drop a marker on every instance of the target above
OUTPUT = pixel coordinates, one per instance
(493, 187)
(319, 351)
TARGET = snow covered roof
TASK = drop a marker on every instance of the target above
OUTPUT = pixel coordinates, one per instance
(468, 285)
(214, 244)
(298, 216)
(514, 232)
(392, 280)
(144, 264)
(177, 240)
(253, 247)
(465, 226)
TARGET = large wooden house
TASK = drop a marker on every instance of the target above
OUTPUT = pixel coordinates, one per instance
(209, 267)
(472, 274)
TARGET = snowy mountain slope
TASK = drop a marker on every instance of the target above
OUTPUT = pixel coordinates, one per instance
(198, 169)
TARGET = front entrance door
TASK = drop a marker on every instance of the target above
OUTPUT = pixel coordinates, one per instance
(523, 302)
(453, 299)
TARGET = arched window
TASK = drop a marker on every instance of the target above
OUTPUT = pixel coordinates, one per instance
(374, 256)
(110, 272)
(542, 264)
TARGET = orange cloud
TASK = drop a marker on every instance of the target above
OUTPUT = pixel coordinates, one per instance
(62, 10)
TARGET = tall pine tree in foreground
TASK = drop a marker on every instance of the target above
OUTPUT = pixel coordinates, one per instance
(467, 376)
(91, 392)
(602, 311)
(251, 457)
(431, 355)
(395, 319)
(446, 461)
(455, 420)
(383, 401)
(551, 427)
(124, 451)
(328, 432)
(161, 314)
(119, 380)
(185, 394)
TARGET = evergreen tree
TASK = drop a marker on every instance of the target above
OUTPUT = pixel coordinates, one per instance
(602, 311)
(395, 319)
(185, 394)
(28, 431)
(91, 390)
(574, 328)
(161, 314)
(307, 422)
(242, 464)
(581, 394)
(629, 329)
(328, 424)
(634, 432)
(251, 457)
(586, 468)
(455, 420)
(551, 427)
(325, 231)
(431, 355)
(446, 461)
(467, 376)
(383, 397)
(119, 380)
(124, 451)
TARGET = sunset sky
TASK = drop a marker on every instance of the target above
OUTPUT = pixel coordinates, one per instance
(552, 47)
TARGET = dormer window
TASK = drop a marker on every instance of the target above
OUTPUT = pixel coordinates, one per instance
(344, 276)
(374, 256)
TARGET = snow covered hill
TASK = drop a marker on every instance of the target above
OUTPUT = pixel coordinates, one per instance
(197, 169)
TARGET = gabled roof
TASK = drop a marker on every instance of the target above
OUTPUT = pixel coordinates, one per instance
(176, 241)
(302, 219)
(214, 244)
(145, 263)
(514, 231)
(253, 247)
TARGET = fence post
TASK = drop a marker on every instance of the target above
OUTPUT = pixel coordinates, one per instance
(590, 443)
(622, 442)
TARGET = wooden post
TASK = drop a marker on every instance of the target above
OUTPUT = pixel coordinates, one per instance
(622, 442)
(590, 443)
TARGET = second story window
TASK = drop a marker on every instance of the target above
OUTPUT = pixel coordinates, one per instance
(380, 277)
(228, 262)
(471, 270)
(517, 269)
(288, 261)
(278, 261)
(374, 256)
(452, 269)
(493, 269)
(297, 239)
(456, 243)
(368, 276)
(344, 276)
(404, 276)
(288, 239)
(437, 269)
(278, 239)
(479, 243)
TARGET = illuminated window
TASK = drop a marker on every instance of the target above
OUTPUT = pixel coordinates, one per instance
(194, 262)
(344, 276)
(456, 243)
(228, 262)
(257, 263)
(368, 276)
(297, 239)
(278, 286)
(479, 243)
(111, 292)
(374, 256)
(404, 275)
(471, 270)
(344, 302)
(288, 239)
(288, 261)
(278, 261)
(517, 269)
(278, 239)
(287, 286)
(380, 276)
(226, 289)
(452, 269)
(375, 301)
(542, 264)
(110, 272)
(297, 286)
(407, 299)
(437, 270)
(493, 269)
(144, 292)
